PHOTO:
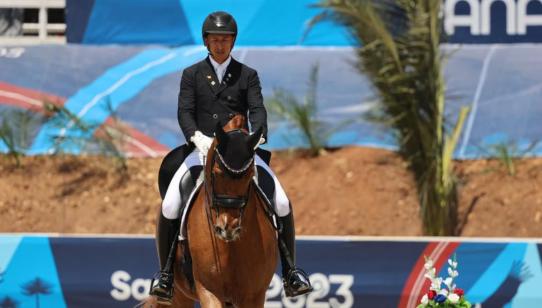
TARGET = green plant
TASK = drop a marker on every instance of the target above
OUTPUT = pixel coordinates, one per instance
(110, 139)
(401, 56)
(16, 130)
(507, 152)
(303, 114)
(104, 139)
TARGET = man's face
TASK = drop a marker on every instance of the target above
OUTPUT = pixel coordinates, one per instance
(219, 46)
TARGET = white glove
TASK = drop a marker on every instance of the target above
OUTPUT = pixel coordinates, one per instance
(262, 141)
(202, 142)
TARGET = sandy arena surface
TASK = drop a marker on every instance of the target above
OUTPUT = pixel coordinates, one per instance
(350, 191)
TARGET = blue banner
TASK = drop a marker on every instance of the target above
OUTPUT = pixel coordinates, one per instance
(369, 272)
(178, 22)
(174, 22)
(501, 83)
(493, 21)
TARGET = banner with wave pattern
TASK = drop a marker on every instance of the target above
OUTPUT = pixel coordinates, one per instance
(346, 272)
(178, 22)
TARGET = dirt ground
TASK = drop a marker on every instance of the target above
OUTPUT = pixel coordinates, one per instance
(349, 191)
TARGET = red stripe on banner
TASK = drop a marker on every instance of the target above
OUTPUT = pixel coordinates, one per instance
(413, 277)
(417, 285)
(136, 143)
(27, 98)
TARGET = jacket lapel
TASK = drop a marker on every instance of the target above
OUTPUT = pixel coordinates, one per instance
(210, 76)
(230, 76)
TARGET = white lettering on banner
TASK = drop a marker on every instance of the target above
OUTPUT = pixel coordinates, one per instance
(510, 16)
(343, 297)
(525, 20)
(12, 53)
(345, 283)
(451, 20)
(479, 17)
(123, 289)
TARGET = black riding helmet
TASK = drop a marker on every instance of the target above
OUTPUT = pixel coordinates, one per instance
(219, 23)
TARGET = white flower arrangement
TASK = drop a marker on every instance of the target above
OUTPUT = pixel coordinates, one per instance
(448, 296)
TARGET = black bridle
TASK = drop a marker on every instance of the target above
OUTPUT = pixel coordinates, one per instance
(217, 201)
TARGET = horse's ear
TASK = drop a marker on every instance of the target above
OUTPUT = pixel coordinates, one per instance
(219, 133)
(254, 138)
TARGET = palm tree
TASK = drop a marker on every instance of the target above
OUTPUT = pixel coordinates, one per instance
(400, 53)
(7, 302)
(35, 288)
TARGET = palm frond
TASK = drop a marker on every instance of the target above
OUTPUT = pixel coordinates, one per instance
(16, 131)
(303, 114)
(399, 51)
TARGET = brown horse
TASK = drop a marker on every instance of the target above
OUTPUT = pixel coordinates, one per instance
(231, 239)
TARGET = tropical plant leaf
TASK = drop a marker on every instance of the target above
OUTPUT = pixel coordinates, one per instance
(303, 114)
(16, 130)
(400, 53)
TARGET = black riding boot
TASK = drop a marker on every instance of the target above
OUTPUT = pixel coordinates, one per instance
(295, 280)
(167, 231)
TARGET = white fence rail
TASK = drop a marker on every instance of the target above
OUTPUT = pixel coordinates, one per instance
(43, 28)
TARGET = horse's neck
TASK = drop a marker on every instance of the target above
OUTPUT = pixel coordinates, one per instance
(237, 122)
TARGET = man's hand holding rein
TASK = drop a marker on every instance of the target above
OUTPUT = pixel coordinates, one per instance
(202, 142)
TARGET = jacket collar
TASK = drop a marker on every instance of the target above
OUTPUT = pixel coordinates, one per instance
(230, 76)
(220, 66)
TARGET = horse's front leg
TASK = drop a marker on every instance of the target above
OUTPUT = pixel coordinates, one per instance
(207, 298)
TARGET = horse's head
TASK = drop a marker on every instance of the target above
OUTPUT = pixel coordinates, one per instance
(228, 175)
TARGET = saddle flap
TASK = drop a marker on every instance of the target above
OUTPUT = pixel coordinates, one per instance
(188, 183)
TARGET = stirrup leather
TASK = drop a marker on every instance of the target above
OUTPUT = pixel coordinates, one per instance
(296, 283)
(162, 288)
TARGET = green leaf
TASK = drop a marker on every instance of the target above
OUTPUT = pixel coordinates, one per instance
(405, 68)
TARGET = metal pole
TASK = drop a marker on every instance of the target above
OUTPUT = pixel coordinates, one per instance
(43, 20)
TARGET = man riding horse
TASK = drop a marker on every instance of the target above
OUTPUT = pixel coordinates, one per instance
(213, 91)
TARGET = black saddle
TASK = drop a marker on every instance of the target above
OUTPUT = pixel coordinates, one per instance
(173, 160)
(170, 164)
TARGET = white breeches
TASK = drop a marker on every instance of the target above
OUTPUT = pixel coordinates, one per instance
(172, 200)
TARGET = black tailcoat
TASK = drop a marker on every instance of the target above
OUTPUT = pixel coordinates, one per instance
(203, 101)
